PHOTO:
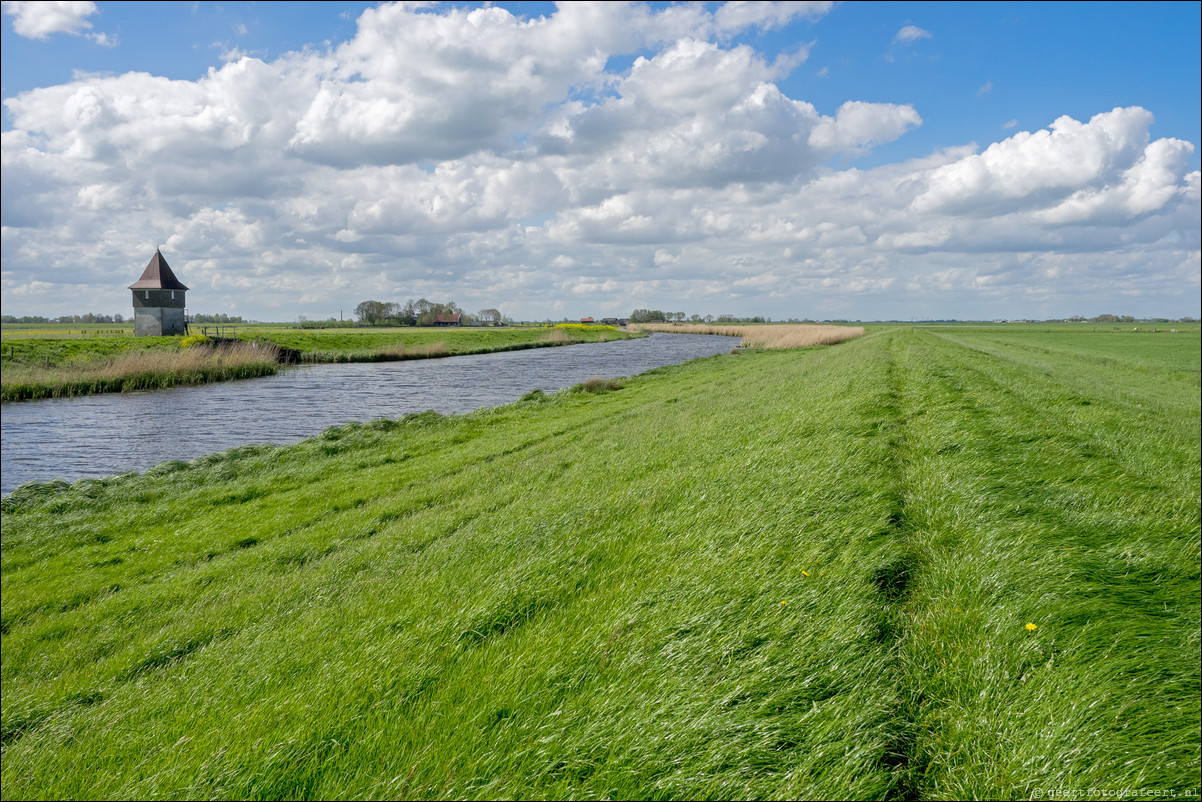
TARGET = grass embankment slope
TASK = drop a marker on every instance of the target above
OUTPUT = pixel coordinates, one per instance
(386, 344)
(36, 365)
(775, 574)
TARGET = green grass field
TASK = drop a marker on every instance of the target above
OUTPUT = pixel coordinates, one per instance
(935, 563)
(383, 344)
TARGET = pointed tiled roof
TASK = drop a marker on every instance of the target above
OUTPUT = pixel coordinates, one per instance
(158, 276)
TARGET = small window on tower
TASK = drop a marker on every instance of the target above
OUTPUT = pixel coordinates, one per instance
(173, 295)
(146, 294)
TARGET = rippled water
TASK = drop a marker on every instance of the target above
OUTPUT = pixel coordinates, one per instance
(102, 435)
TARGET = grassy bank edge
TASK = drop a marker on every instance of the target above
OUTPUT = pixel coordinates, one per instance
(139, 370)
(157, 369)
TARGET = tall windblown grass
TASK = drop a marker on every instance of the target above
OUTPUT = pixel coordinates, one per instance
(598, 384)
(139, 370)
(569, 333)
(947, 564)
(417, 351)
(591, 327)
(790, 335)
(557, 335)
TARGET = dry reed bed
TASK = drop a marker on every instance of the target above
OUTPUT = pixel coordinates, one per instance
(789, 335)
(557, 336)
(417, 351)
(139, 370)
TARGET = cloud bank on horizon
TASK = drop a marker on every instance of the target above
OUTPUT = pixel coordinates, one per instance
(592, 160)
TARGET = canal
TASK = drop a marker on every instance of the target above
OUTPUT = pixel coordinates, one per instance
(102, 435)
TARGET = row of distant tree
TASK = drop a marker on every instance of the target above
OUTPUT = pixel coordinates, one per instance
(1128, 319)
(421, 312)
(220, 318)
(92, 317)
(657, 316)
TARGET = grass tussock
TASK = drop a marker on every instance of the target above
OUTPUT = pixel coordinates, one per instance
(597, 385)
(139, 370)
(432, 350)
(767, 337)
(571, 333)
(590, 328)
(557, 336)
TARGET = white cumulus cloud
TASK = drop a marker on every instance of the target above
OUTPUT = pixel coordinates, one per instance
(38, 19)
(1037, 167)
(911, 33)
(504, 162)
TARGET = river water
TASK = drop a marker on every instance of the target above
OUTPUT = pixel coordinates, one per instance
(101, 435)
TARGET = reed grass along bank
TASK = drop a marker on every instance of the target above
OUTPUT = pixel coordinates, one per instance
(47, 367)
(770, 336)
(133, 370)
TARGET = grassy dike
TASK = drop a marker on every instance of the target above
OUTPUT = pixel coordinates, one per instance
(392, 344)
(772, 574)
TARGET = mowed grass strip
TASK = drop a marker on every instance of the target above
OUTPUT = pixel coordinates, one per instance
(1041, 491)
(654, 591)
(781, 574)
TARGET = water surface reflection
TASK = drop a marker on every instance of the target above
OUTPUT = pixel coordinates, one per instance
(102, 435)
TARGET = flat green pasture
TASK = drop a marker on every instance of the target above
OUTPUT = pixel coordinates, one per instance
(65, 330)
(1099, 346)
(923, 564)
(18, 349)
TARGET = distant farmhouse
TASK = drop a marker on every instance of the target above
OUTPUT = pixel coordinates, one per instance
(159, 301)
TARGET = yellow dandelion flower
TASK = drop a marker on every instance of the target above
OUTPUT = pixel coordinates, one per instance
(1031, 627)
(782, 604)
(805, 573)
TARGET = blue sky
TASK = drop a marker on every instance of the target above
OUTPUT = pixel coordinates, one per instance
(983, 65)
(862, 160)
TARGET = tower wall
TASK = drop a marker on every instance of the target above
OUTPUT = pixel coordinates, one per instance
(171, 299)
(158, 321)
